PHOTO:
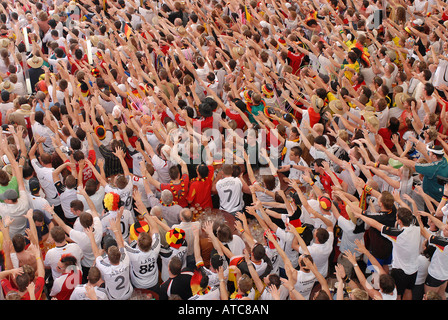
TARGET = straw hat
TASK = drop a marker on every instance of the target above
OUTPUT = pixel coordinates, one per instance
(7, 85)
(373, 121)
(317, 103)
(400, 98)
(4, 43)
(181, 31)
(238, 51)
(35, 62)
(336, 106)
(368, 111)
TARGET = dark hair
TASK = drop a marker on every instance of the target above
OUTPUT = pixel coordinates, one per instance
(19, 242)
(322, 235)
(387, 283)
(175, 265)
(258, 251)
(405, 215)
(58, 234)
(203, 170)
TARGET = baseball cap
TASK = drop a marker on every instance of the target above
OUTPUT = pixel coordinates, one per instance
(9, 194)
(34, 185)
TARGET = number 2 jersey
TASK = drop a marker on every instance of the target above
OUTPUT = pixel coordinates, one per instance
(116, 277)
(144, 269)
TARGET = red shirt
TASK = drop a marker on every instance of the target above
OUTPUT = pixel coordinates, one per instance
(234, 115)
(327, 183)
(204, 123)
(179, 191)
(314, 116)
(7, 286)
(87, 173)
(200, 190)
(295, 61)
(386, 134)
(70, 282)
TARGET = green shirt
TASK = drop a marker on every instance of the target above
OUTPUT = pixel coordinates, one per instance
(430, 171)
(11, 185)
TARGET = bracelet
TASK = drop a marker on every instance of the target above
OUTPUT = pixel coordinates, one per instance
(312, 183)
(242, 231)
(222, 280)
(144, 214)
(355, 265)
(37, 258)
(376, 165)
(445, 198)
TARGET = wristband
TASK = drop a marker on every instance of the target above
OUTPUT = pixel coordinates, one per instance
(445, 198)
(355, 265)
(242, 231)
(376, 165)
(37, 258)
(312, 183)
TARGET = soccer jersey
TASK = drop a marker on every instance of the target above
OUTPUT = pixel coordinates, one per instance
(79, 293)
(116, 277)
(167, 253)
(199, 190)
(125, 193)
(179, 191)
(406, 247)
(144, 269)
(64, 285)
(54, 255)
(127, 219)
(230, 194)
(437, 269)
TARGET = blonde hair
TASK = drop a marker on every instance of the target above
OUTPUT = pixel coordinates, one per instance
(359, 294)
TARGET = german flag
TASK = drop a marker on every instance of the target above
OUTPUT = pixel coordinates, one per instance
(248, 16)
(127, 30)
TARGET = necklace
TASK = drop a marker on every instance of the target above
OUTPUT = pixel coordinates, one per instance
(181, 191)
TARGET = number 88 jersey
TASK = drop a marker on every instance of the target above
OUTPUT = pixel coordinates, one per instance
(144, 269)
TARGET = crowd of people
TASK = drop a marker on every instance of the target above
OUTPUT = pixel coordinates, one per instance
(223, 150)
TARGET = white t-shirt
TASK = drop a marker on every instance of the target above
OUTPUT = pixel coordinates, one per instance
(320, 252)
(117, 278)
(285, 240)
(162, 168)
(39, 203)
(45, 176)
(305, 283)
(82, 239)
(230, 192)
(97, 199)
